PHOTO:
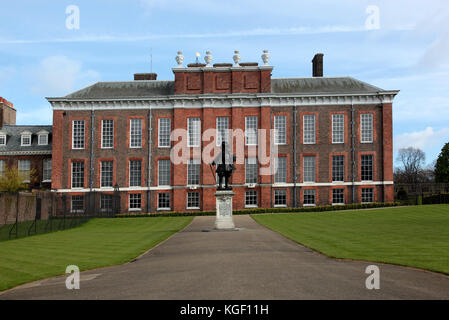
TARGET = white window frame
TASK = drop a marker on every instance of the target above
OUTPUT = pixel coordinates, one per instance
(280, 127)
(2, 167)
(251, 132)
(102, 134)
(112, 174)
(187, 200)
(21, 170)
(2, 139)
(372, 194)
(281, 177)
(250, 162)
(344, 196)
(162, 131)
(305, 129)
(24, 136)
(71, 173)
(169, 201)
(338, 128)
(343, 168)
(257, 199)
(370, 129)
(159, 172)
(222, 124)
(304, 196)
(44, 163)
(194, 162)
(280, 205)
(83, 134)
(71, 204)
(195, 135)
(304, 169)
(130, 175)
(129, 202)
(131, 121)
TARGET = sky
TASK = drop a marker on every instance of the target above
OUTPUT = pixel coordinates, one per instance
(393, 44)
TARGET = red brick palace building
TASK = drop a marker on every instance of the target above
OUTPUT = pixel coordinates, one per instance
(333, 136)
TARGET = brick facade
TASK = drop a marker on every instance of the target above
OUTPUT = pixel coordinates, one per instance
(233, 92)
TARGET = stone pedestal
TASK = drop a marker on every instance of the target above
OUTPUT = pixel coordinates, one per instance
(224, 210)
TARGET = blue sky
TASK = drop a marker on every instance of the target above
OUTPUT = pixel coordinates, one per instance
(40, 57)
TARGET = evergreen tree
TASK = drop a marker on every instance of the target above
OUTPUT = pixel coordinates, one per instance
(442, 165)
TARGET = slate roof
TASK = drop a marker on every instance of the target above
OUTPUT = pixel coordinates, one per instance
(157, 88)
(13, 142)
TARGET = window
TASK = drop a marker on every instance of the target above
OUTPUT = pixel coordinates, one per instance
(367, 167)
(338, 128)
(2, 167)
(309, 169)
(250, 170)
(193, 172)
(46, 172)
(309, 197)
(338, 196)
(251, 198)
(78, 134)
(280, 127)
(135, 173)
(164, 172)
(338, 168)
(163, 200)
(26, 140)
(135, 201)
(77, 204)
(164, 132)
(309, 129)
(251, 130)
(135, 132)
(366, 127)
(42, 139)
(194, 132)
(281, 173)
(222, 130)
(107, 174)
(367, 195)
(280, 198)
(107, 134)
(2, 140)
(78, 174)
(106, 202)
(193, 200)
(25, 169)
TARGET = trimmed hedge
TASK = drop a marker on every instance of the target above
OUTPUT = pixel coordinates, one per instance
(263, 210)
(436, 199)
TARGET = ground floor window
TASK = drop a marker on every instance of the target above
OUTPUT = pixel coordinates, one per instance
(309, 197)
(193, 200)
(367, 195)
(280, 197)
(251, 198)
(163, 201)
(135, 201)
(106, 202)
(338, 196)
(77, 204)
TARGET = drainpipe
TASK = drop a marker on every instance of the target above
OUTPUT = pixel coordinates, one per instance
(295, 202)
(92, 132)
(352, 151)
(271, 157)
(149, 160)
(382, 149)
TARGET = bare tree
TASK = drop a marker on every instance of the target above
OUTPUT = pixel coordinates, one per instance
(412, 160)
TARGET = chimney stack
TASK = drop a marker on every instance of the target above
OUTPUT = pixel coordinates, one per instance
(318, 65)
(145, 76)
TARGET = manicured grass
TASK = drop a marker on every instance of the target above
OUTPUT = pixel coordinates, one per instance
(97, 243)
(416, 236)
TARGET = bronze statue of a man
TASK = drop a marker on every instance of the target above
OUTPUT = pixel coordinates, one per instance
(225, 167)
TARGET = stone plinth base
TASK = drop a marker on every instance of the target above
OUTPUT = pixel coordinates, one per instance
(224, 210)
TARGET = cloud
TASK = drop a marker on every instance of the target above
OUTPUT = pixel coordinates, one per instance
(59, 75)
(425, 139)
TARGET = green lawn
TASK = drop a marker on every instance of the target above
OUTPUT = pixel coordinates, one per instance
(97, 243)
(415, 236)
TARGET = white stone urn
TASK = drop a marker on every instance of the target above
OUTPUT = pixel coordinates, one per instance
(179, 59)
(236, 58)
(265, 57)
(208, 59)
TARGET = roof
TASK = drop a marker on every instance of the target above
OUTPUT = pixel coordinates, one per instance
(157, 88)
(13, 140)
(124, 89)
(341, 85)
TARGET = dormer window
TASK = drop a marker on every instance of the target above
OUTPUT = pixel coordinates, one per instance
(2, 139)
(42, 138)
(25, 138)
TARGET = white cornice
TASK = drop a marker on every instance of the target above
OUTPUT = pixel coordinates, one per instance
(25, 153)
(223, 101)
